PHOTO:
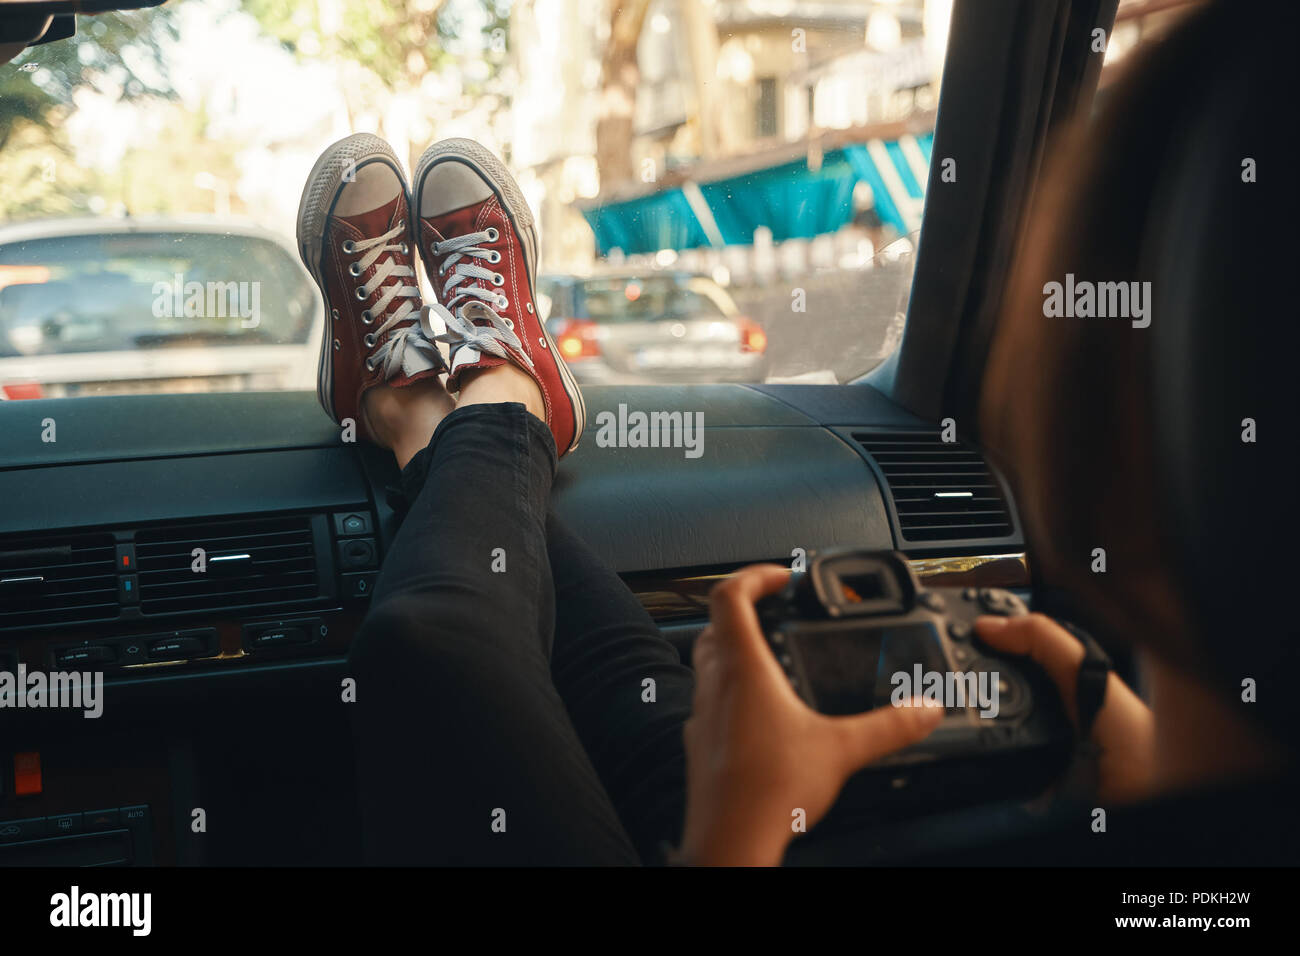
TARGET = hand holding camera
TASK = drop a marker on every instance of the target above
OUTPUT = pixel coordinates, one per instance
(857, 633)
(801, 693)
(761, 765)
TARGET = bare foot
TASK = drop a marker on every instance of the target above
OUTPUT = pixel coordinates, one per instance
(501, 383)
(403, 419)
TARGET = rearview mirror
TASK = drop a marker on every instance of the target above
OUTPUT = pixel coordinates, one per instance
(52, 7)
(24, 23)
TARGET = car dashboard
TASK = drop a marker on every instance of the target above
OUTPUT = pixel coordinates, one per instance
(212, 556)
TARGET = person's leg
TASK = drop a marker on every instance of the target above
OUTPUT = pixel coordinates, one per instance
(467, 753)
(478, 242)
(625, 688)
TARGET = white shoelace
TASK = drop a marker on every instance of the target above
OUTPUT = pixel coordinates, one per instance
(470, 301)
(410, 349)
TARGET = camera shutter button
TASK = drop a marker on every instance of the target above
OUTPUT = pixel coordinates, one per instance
(997, 601)
(931, 601)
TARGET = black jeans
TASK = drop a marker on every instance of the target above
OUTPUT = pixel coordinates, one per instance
(515, 703)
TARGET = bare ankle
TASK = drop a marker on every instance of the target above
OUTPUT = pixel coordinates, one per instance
(404, 419)
(501, 383)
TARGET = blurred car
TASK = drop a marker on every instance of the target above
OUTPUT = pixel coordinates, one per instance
(643, 328)
(109, 306)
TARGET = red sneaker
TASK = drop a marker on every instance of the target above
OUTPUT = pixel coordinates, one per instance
(479, 246)
(354, 232)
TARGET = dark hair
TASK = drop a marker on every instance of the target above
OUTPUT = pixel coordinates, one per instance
(1131, 439)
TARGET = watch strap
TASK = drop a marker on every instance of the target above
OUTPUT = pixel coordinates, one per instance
(1090, 686)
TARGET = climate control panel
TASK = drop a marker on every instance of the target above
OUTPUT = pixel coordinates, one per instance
(209, 593)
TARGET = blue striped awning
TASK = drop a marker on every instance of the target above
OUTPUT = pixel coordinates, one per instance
(792, 200)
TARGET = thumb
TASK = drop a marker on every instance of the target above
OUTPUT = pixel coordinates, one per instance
(868, 737)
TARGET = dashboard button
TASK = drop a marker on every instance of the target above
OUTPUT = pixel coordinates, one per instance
(29, 829)
(175, 648)
(63, 823)
(128, 589)
(74, 656)
(359, 585)
(356, 553)
(126, 559)
(94, 820)
(352, 522)
(132, 650)
(135, 816)
(269, 635)
(281, 636)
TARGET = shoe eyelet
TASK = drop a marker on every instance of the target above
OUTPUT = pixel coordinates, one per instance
(334, 315)
(503, 303)
(498, 279)
(349, 246)
(510, 325)
(370, 365)
(492, 234)
(369, 340)
(336, 345)
(529, 307)
(541, 340)
(495, 257)
(362, 293)
(354, 269)
(406, 250)
(366, 317)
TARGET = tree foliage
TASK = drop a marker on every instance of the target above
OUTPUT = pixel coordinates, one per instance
(399, 42)
(118, 54)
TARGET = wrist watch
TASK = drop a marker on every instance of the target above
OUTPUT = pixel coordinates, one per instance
(1094, 674)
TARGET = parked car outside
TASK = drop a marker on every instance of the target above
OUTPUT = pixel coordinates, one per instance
(112, 306)
(658, 327)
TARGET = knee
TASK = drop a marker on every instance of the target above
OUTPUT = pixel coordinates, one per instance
(395, 630)
(413, 635)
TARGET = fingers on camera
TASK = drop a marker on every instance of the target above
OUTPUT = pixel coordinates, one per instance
(1048, 644)
(731, 602)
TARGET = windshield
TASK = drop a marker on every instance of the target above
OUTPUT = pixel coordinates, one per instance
(760, 167)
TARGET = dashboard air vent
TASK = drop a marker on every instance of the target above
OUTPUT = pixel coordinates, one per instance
(942, 491)
(250, 562)
(57, 580)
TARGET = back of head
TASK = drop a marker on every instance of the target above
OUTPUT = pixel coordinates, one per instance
(1169, 445)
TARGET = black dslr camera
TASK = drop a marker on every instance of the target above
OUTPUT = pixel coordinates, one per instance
(856, 632)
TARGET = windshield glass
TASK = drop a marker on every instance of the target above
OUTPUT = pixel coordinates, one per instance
(759, 167)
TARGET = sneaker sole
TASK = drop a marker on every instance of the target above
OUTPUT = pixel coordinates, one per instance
(319, 195)
(494, 172)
